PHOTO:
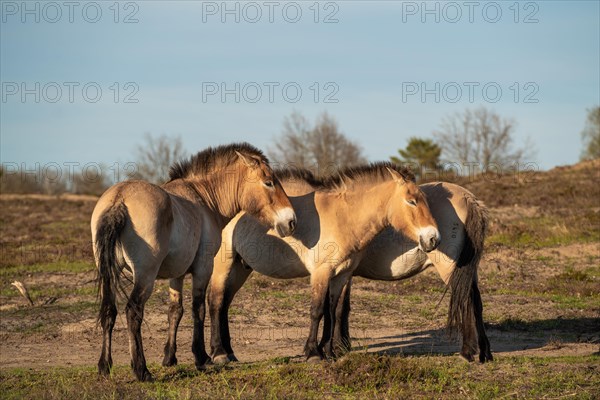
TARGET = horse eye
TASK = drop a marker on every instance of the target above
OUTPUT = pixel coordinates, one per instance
(412, 202)
(269, 184)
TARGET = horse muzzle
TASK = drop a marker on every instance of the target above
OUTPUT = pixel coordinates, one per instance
(285, 223)
(429, 239)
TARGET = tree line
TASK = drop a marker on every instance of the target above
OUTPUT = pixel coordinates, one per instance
(473, 141)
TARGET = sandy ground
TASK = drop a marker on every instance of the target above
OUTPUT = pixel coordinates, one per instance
(78, 344)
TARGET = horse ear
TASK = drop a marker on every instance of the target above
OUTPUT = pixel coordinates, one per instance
(249, 161)
(397, 176)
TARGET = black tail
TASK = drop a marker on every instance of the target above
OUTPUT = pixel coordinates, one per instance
(108, 231)
(465, 301)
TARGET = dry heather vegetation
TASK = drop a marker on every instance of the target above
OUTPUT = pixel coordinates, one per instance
(540, 283)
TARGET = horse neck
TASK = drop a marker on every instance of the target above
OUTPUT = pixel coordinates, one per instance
(297, 188)
(364, 212)
(220, 193)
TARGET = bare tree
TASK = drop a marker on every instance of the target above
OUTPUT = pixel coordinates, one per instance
(591, 135)
(156, 155)
(322, 147)
(92, 181)
(482, 137)
(44, 181)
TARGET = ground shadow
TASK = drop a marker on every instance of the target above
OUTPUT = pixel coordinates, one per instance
(508, 336)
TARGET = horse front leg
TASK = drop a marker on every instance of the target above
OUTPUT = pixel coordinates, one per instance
(174, 317)
(226, 281)
(200, 278)
(319, 284)
(135, 315)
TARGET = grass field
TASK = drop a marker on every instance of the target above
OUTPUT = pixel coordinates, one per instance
(539, 278)
(358, 375)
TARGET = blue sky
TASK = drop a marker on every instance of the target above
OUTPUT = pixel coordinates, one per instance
(368, 61)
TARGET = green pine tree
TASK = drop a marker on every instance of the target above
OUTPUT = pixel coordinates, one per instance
(424, 153)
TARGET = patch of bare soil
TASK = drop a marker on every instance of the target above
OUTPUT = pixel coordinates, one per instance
(79, 344)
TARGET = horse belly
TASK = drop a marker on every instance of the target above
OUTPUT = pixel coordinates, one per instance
(183, 247)
(176, 264)
(275, 257)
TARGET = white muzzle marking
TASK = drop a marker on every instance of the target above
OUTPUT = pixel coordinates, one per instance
(285, 222)
(429, 238)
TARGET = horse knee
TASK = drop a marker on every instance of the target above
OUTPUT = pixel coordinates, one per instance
(135, 315)
(175, 311)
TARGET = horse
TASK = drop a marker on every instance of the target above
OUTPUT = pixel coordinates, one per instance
(461, 220)
(336, 222)
(165, 232)
(391, 256)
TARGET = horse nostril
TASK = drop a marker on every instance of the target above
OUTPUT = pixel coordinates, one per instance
(434, 242)
(429, 245)
(292, 225)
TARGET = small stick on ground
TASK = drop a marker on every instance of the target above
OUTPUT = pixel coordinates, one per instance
(23, 290)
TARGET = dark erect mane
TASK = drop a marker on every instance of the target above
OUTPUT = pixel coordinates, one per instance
(295, 174)
(374, 172)
(212, 159)
(371, 173)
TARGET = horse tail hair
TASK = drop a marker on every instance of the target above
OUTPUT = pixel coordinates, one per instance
(108, 276)
(465, 300)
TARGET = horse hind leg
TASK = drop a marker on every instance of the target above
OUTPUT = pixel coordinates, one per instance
(108, 315)
(200, 279)
(469, 345)
(474, 336)
(135, 315)
(485, 353)
(320, 283)
(341, 336)
(326, 336)
(336, 288)
(175, 314)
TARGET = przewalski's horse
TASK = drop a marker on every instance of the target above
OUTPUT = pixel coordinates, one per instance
(462, 221)
(336, 222)
(170, 230)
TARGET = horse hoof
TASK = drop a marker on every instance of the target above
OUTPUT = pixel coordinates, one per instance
(314, 360)
(169, 362)
(104, 369)
(146, 376)
(221, 359)
(467, 357)
(484, 357)
(232, 358)
(202, 366)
